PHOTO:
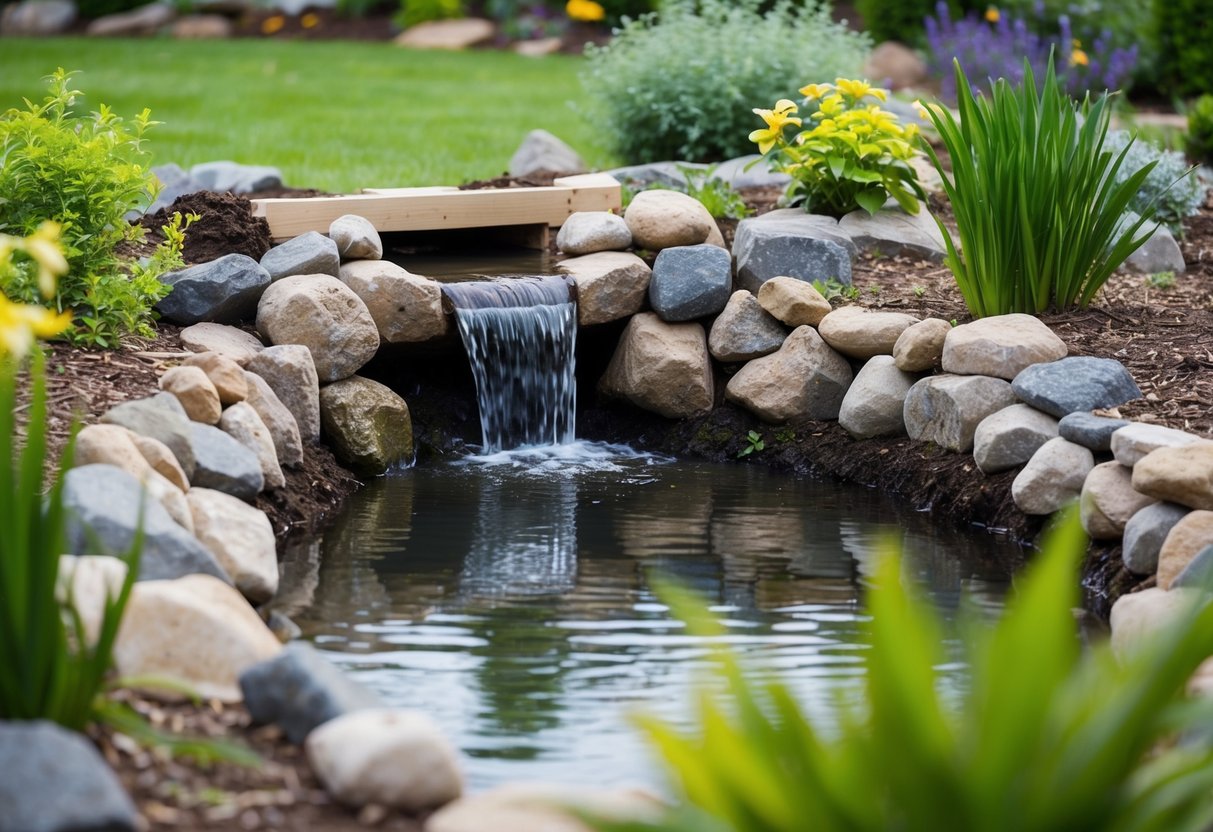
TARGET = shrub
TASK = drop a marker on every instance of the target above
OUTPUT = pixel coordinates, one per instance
(413, 12)
(851, 154)
(1172, 186)
(1039, 220)
(1046, 736)
(1200, 130)
(680, 86)
(899, 20)
(1185, 46)
(86, 173)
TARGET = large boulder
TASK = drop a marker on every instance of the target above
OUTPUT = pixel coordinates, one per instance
(111, 445)
(587, 232)
(150, 417)
(791, 243)
(224, 464)
(661, 367)
(229, 341)
(224, 373)
(803, 379)
(1010, 437)
(241, 538)
(665, 219)
(1145, 533)
(324, 315)
(690, 282)
(142, 20)
(367, 425)
(610, 285)
(894, 233)
(280, 422)
(946, 409)
(793, 301)
(1186, 539)
(224, 291)
(309, 253)
(542, 151)
(1053, 477)
(920, 346)
(1001, 346)
(241, 422)
(1136, 440)
(356, 238)
(1071, 385)
(1108, 501)
(744, 330)
(37, 17)
(291, 373)
(1138, 617)
(861, 333)
(1181, 475)
(406, 308)
(195, 391)
(223, 175)
(875, 402)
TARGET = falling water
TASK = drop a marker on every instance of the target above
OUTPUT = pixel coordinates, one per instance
(520, 335)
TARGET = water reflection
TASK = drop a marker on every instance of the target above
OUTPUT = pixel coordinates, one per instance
(510, 598)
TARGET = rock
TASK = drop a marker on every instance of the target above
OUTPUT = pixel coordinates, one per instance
(894, 233)
(859, 333)
(1190, 534)
(224, 373)
(223, 176)
(241, 539)
(610, 285)
(749, 172)
(159, 456)
(89, 582)
(110, 445)
(1182, 475)
(1108, 501)
(283, 427)
(224, 464)
(146, 417)
(195, 392)
(55, 780)
(946, 409)
(356, 238)
(1010, 437)
(201, 27)
(662, 367)
(368, 426)
(875, 402)
(1136, 440)
(324, 315)
(1160, 253)
(103, 506)
(538, 47)
(1145, 533)
(804, 379)
(1198, 574)
(171, 497)
(299, 690)
(177, 183)
(791, 243)
(744, 330)
(894, 65)
(310, 253)
(1053, 477)
(393, 758)
(541, 151)
(228, 341)
(1071, 385)
(406, 308)
(241, 422)
(1138, 617)
(667, 219)
(587, 232)
(290, 372)
(144, 20)
(530, 806)
(38, 17)
(690, 282)
(194, 631)
(920, 346)
(1089, 430)
(224, 291)
(455, 34)
(793, 301)
(667, 174)
(1001, 346)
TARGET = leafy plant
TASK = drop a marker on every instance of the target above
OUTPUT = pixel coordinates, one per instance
(1185, 46)
(834, 289)
(1161, 280)
(1037, 201)
(753, 443)
(1200, 130)
(899, 20)
(678, 86)
(851, 154)
(1171, 187)
(1046, 736)
(413, 12)
(719, 197)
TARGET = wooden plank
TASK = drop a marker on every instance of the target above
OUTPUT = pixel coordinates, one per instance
(425, 209)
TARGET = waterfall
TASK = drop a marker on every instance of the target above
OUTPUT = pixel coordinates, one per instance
(520, 335)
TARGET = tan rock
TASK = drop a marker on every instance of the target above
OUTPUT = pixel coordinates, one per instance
(89, 581)
(455, 34)
(1135, 440)
(861, 333)
(551, 807)
(793, 301)
(895, 65)
(1181, 475)
(281, 423)
(195, 392)
(1108, 501)
(1053, 477)
(661, 219)
(610, 285)
(234, 343)
(291, 373)
(201, 27)
(662, 367)
(1192, 533)
(1138, 618)
(920, 347)
(110, 445)
(324, 315)
(224, 373)
(241, 422)
(1000, 346)
(804, 379)
(241, 538)
(407, 308)
(171, 497)
(162, 460)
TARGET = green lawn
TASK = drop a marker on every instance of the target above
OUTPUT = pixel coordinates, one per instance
(335, 116)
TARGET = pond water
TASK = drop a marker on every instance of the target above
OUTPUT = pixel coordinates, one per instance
(510, 598)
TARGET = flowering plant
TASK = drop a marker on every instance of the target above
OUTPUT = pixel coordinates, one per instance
(850, 153)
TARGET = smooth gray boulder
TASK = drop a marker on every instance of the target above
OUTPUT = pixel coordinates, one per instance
(946, 409)
(589, 232)
(1160, 253)
(176, 182)
(1145, 533)
(299, 689)
(749, 172)
(791, 243)
(37, 17)
(310, 253)
(223, 291)
(690, 282)
(239, 179)
(668, 174)
(1078, 383)
(894, 233)
(1089, 430)
(744, 330)
(1010, 437)
(542, 151)
(55, 780)
(1053, 477)
(283, 427)
(102, 503)
(224, 464)
(875, 402)
(159, 417)
(356, 238)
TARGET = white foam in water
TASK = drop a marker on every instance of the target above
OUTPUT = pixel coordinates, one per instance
(576, 457)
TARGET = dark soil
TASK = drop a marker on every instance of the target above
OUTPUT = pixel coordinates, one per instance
(225, 225)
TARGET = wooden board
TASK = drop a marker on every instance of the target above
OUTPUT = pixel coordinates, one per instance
(426, 209)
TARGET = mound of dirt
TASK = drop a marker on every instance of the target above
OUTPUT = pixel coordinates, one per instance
(225, 225)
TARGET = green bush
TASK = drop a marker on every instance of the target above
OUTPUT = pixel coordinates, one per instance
(680, 86)
(1199, 141)
(1045, 736)
(92, 9)
(85, 173)
(1185, 46)
(1172, 186)
(1039, 223)
(413, 12)
(899, 20)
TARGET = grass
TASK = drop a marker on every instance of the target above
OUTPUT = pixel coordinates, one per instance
(334, 115)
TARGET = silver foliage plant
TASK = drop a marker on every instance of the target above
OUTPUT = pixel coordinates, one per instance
(1174, 187)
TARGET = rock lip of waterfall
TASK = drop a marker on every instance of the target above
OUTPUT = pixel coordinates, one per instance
(521, 339)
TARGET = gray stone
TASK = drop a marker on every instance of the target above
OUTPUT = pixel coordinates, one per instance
(875, 402)
(744, 330)
(290, 372)
(176, 183)
(145, 20)
(154, 418)
(1135, 440)
(1145, 533)
(946, 409)
(224, 464)
(587, 232)
(1010, 437)
(367, 424)
(803, 379)
(37, 17)
(541, 151)
(229, 341)
(894, 233)
(239, 179)
(55, 780)
(103, 506)
(791, 243)
(224, 291)
(1089, 430)
(241, 422)
(1198, 574)
(1079, 383)
(668, 174)
(281, 423)
(299, 689)
(749, 172)
(310, 253)
(356, 238)
(690, 282)
(1160, 253)
(1053, 477)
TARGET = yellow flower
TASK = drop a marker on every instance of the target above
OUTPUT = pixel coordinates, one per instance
(586, 10)
(21, 323)
(992, 15)
(858, 89)
(309, 20)
(816, 90)
(776, 120)
(43, 248)
(1079, 58)
(831, 106)
(272, 24)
